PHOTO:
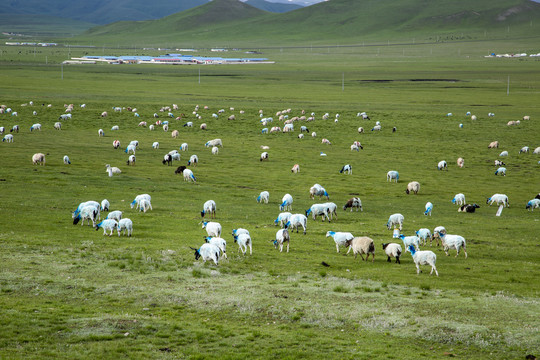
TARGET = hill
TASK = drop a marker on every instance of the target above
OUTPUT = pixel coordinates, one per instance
(273, 7)
(337, 21)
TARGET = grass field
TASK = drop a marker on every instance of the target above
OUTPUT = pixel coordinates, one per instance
(69, 292)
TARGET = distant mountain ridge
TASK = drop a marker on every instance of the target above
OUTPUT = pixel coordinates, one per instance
(106, 12)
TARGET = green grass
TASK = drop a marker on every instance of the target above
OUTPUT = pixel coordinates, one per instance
(69, 292)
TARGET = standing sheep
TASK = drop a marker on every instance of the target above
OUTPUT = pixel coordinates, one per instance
(282, 236)
(38, 158)
(413, 186)
(362, 245)
(263, 197)
(425, 257)
(392, 250)
(460, 162)
(392, 175)
(354, 202)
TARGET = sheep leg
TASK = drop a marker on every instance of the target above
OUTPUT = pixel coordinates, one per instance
(388, 260)
(417, 269)
(350, 247)
(397, 260)
(337, 248)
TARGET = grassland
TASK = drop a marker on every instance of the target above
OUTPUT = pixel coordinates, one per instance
(69, 292)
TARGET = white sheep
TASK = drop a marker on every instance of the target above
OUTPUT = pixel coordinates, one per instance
(188, 175)
(126, 226)
(442, 165)
(524, 149)
(215, 150)
(165, 127)
(58, 125)
(8, 138)
(536, 151)
(314, 134)
(184, 147)
(145, 205)
(410, 240)
(264, 196)
(360, 130)
(15, 128)
(112, 170)
(504, 153)
(107, 224)
(215, 142)
(220, 243)
(286, 203)
(297, 220)
(155, 145)
(459, 199)
(376, 128)
(501, 171)
(319, 209)
(423, 234)
(498, 199)
(295, 169)
(66, 160)
(213, 228)
(425, 257)
(264, 156)
(236, 232)
(392, 175)
(88, 212)
(38, 158)
(347, 169)
(460, 162)
(131, 160)
(101, 133)
(282, 218)
(394, 220)
(207, 252)
(116, 215)
(175, 134)
(116, 144)
(209, 207)
(413, 186)
(105, 205)
(533, 204)
(151, 127)
(340, 238)
(92, 203)
(429, 208)
(392, 250)
(362, 245)
(453, 242)
(493, 145)
(35, 127)
(282, 236)
(244, 240)
(318, 190)
(193, 160)
(136, 203)
(115, 127)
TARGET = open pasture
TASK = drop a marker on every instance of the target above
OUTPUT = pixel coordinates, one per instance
(68, 291)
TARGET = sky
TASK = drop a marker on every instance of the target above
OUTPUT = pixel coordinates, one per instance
(298, 2)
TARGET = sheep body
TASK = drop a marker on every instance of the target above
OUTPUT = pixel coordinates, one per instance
(392, 250)
(435, 235)
(126, 226)
(207, 252)
(429, 208)
(392, 175)
(107, 224)
(442, 165)
(297, 220)
(423, 234)
(264, 196)
(501, 171)
(425, 257)
(410, 240)
(137, 201)
(116, 215)
(220, 243)
(89, 213)
(332, 209)
(282, 218)
(318, 190)
(209, 207)
(362, 245)
(213, 229)
(38, 158)
(244, 240)
(66, 160)
(188, 175)
(104, 206)
(498, 199)
(453, 242)
(319, 209)
(460, 162)
(341, 239)
(469, 208)
(287, 201)
(413, 186)
(394, 220)
(354, 202)
(533, 204)
(459, 199)
(282, 236)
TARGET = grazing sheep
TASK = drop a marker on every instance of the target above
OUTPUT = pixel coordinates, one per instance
(286, 202)
(504, 153)
(392, 175)
(263, 197)
(498, 199)
(347, 169)
(15, 128)
(533, 204)
(470, 208)
(473, 117)
(264, 156)
(459, 199)
(203, 126)
(215, 142)
(360, 130)
(215, 150)
(131, 160)
(512, 123)
(180, 170)
(107, 224)
(105, 205)
(142, 123)
(536, 151)
(354, 202)
(392, 250)
(89, 213)
(326, 141)
(213, 229)
(184, 147)
(442, 165)
(295, 169)
(155, 145)
(354, 148)
(282, 218)
(167, 159)
(410, 240)
(394, 220)
(101, 133)
(175, 134)
(38, 158)
(460, 162)
(220, 243)
(144, 205)
(282, 236)
(376, 128)
(341, 238)
(318, 190)
(297, 220)
(244, 240)
(436, 231)
(524, 149)
(35, 127)
(137, 201)
(151, 127)
(526, 117)
(209, 207)
(116, 144)
(499, 163)
(314, 134)
(94, 204)
(66, 160)
(362, 245)
(112, 170)
(453, 242)
(319, 209)
(501, 171)
(115, 127)
(8, 138)
(126, 226)
(116, 215)
(300, 136)
(425, 257)
(193, 160)
(493, 145)
(429, 208)
(208, 252)
(188, 175)
(413, 186)
(332, 209)
(423, 234)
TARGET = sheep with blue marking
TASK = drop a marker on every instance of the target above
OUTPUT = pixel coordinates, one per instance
(116, 215)
(213, 143)
(318, 190)
(499, 199)
(107, 224)
(213, 228)
(340, 238)
(209, 207)
(459, 199)
(125, 226)
(8, 138)
(429, 208)
(453, 242)
(35, 127)
(410, 240)
(207, 252)
(392, 175)
(136, 203)
(244, 241)
(193, 160)
(264, 196)
(425, 257)
(66, 160)
(501, 171)
(347, 169)
(219, 242)
(319, 209)
(533, 204)
(282, 236)
(295, 221)
(395, 220)
(282, 218)
(423, 234)
(286, 202)
(88, 212)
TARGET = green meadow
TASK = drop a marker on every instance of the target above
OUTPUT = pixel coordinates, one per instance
(68, 291)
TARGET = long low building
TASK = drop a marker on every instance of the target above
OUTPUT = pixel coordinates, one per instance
(172, 59)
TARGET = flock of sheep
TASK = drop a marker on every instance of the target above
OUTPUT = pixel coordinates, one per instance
(215, 246)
